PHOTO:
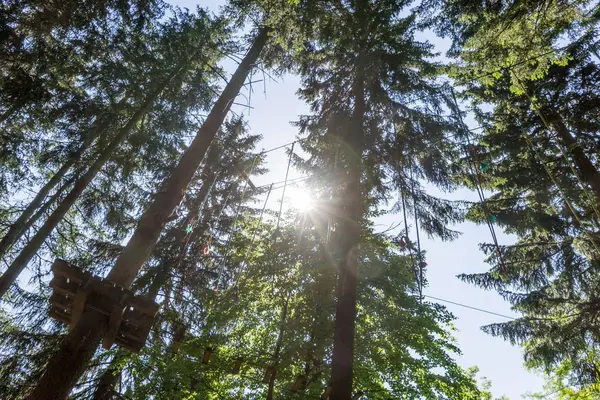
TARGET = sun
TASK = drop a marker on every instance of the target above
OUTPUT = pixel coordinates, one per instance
(301, 199)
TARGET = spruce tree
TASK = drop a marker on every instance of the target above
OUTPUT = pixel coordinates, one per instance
(92, 326)
(174, 72)
(541, 195)
(379, 128)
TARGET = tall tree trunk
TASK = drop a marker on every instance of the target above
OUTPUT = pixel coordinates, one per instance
(20, 226)
(46, 206)
(271, 389)
(587, 170)
(20, 262)
(278, 345)
(109, 378)
(345, 313)
(68, 363)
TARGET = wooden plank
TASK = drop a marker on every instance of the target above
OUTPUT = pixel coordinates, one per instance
(60, 284)
(114, 323)
(78, 305)
(144, 305)
(60, 300)
(135, 317)
(131, 332)
(59, 316)
(60, 268)
(133, 346)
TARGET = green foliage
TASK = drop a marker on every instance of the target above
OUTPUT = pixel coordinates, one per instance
(225, 278)
(521, 36)
(538, 194)
(560, 385)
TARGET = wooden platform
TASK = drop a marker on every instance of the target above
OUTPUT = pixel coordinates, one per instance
(74, 291)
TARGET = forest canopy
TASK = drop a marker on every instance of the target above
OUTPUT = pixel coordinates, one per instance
(142, 260)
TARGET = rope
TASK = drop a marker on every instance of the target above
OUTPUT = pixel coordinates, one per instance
(410, 253)
(253, 237)
(284, 186)
(419, 254)
(560, 147)
(480, 192)
(235, 219)
(553, 179)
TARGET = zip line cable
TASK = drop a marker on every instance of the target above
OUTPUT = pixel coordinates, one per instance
(470, 307)
(235, 218)
(409, 245)
(555, 182)
(305, 139)
(560, 146)
(419, 254)
(284, 186)
(480, 192)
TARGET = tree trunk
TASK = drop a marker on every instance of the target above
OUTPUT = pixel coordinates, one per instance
(109, 378)
(152, 221)
(345, 313)
(20, 262)
(44, 208)
(67, 365)
(271, 389)
(587, 170)
(111, 375)
(24, 221)
(278, 345)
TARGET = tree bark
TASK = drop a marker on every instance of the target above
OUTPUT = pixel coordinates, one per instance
(345, 313)
(21, 261)
(278, 345)
(108, 379)
(152, 221)
(52, 200)
(24, 221)
(110, 376)
(67, 365)
(587, 170)
(271, 389)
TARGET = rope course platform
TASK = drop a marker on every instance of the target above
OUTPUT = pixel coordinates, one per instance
(75, 290)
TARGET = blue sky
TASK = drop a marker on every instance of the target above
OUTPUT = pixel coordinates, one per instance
(498, 360)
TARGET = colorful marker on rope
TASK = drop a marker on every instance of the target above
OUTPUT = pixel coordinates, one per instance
(188, 229)
(493, 218)
(484, 166)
